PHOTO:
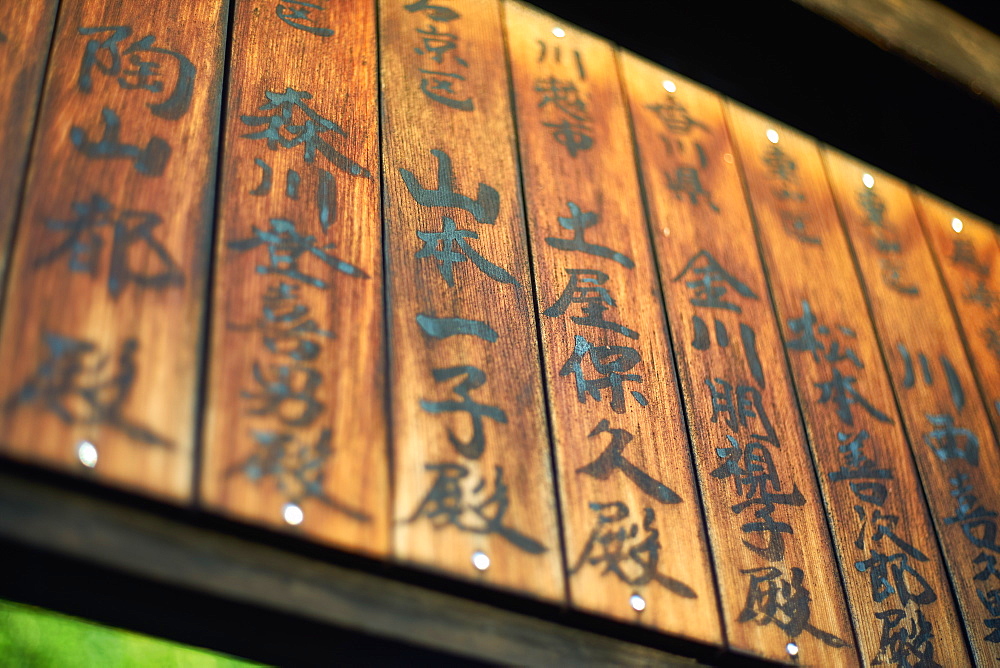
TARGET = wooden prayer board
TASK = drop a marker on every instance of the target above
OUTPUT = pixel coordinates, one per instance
(101, 338)
(296, 431)
(622, 451)
(463, 288)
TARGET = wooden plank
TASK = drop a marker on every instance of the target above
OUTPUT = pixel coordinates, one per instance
(879, 520)
(623, 458)
(102, 327)
(295, 423)
(926, 31)
(763, 508)
(24, 46)
(968, 257)
(942, 411)
(472, 475)
(136, 542)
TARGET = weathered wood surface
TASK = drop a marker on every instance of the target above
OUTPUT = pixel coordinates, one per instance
(24, 47)
(926, 31)
(103, 318)
(765, 516)
(941, 408)
(295, 413)
(623, 458)
(968, 257)
(471, 460)
(877, 514)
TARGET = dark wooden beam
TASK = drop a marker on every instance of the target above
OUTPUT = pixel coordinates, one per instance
(147, 545)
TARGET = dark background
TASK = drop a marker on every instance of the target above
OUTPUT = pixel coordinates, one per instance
(813, 74)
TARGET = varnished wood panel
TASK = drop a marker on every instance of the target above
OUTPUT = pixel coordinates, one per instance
(894, 574)
(941, 409)
(969, 260)
(474, 494)
(296, 425)
(632, 516)
(777, 575)
(101, 339)
(24, 47)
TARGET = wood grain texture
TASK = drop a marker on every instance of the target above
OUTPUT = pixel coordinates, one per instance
(751, 453)
(321, 443)
(969, 262)
(867, 475)
(608, 441)
(101, 338)
(24, 46)
(941, 409)
(471, 459)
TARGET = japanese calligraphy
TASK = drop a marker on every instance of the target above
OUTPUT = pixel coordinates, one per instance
(474, 378)
(83, 386)
(450, 502)
(773, 598)
(616, 546)
(573, 125)
(784, 170)
(611, 364)
(885, 240)
(131, 234)
(577, 222)
(297, 13)
(613, 459)
(441, 47)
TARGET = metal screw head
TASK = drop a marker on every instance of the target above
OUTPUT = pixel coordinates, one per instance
(637, 602)
(792, 649)
(772, 136)
(480, 560)
(868, 180)
(558, 32)
(292, 514)
(957, 225)
(86, 452)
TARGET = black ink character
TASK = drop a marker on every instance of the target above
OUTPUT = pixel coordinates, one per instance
(439, 86)
(143, 71)
(326, 191)
(148, 161)
(611, 364)
(577, 222)
(474, 377)
(442, 328)
(132, 232)
(82, 392)
(909, 378)
(808, 331)
(620, 551)
(584, 287)
(687, 181)
(858, 466)
(297, 467)
(905, 644)
(613, 459)
(437, 43)
(757, 482)
(433, 12)
(964, 252)
(989, 569)
(286, 327)
(675, 116)
(282, 129)
(289, 394)
(484, 208)
(710, 282)
(572, 131)
(450, 246)
(840, 390)
(951, 442)
(446, 505)
(991, 601)
(892, 275)
(773, 599)
(296, 14)
(978, 523)
(284, 248)
(556, 53)
(738, 407)
(980, 294)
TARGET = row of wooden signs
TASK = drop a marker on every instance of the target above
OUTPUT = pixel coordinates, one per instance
(459, 285)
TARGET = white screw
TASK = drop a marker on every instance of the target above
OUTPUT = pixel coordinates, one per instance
(792, 649)
(86, 452)
(480, 560)
(638, 603)
(772, 136)
(292, 514)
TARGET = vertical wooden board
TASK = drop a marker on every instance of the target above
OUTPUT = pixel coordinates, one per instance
(24, 45)
(944, 416)
(473, 489)
(968, 256)
(878, 517)
(296, 425)
(623, 458)
(777, 574)
(101, 334)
